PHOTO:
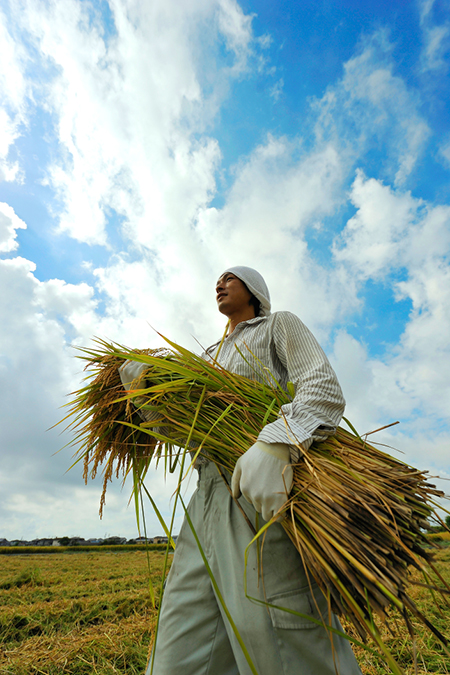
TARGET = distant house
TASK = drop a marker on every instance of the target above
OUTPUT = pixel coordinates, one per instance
(95, 541)
(20, 542)
(115, 541)
(4, 542)
(160, 540)
(41, 542)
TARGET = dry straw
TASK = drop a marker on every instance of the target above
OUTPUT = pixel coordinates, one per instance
(356, 515)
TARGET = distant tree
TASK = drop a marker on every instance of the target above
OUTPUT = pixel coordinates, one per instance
(64, 541)
(447, 521)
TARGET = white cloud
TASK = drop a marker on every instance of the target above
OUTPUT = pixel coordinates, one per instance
(129, 105)
(37, 369)
(436, 46)
(35, 341)
(13, 99)
(47, 510)
(379, 392)
(371, 238)
(425, 8)
(370, 104)
(436, 39)
(394, 231)
(277, 89)
(279, 193)
(9, 224)
(236, 27)
(9, 170)
(143, 161)
(391, 229)
(444, 152)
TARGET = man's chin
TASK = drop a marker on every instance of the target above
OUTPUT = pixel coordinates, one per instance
(221, 306)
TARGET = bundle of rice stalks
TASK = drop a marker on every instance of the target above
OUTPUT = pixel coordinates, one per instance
(355, 514)
(107, 425)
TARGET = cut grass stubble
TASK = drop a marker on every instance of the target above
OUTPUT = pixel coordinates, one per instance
(77, 614)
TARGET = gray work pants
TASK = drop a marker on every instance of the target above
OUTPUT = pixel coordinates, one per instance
(195, 636)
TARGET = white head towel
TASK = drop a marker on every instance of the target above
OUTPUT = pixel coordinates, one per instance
(255, 284)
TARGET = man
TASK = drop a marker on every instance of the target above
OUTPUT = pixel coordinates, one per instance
(195, 634)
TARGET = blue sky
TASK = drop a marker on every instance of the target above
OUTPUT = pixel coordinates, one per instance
(144, 147)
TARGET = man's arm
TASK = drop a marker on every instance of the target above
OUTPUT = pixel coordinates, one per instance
(263, 475)
(318, 404)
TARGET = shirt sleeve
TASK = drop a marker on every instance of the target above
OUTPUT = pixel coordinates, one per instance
(318, 404)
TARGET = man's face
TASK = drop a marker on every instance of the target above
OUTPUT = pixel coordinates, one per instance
(232, 294)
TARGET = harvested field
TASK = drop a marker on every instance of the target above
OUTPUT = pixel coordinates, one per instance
(430, 655)
(76, 613)
(91, 613)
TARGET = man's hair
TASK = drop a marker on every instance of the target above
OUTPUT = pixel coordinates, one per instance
(256, 304)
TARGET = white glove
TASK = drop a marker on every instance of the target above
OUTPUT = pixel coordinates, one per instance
(264, 476)
(132, 370)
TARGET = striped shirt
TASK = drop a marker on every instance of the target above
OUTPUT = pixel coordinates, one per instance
(288, 349)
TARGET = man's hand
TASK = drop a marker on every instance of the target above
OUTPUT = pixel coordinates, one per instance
(263, 475)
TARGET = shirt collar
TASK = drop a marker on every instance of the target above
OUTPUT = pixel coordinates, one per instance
(249, 322)
(241, 325)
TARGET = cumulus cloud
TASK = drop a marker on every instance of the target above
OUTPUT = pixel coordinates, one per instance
(41, 318)
(236, 27)
(129, 114)
(37, 369)
(380, 392)
(9, 224)
(145, 164)
(46, 509)
(128, 107)
(280, 191)
(373, 104)
(42, 322)
(13, 99)
(371, 237)
(392, 230)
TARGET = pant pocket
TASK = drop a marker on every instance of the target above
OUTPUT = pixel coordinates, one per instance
(308, 603)
(305, 646)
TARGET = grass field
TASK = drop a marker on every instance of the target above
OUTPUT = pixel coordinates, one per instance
(430, 655)
(90, 613)
(76, 613)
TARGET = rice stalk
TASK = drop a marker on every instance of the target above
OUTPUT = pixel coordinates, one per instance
(356, 514)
